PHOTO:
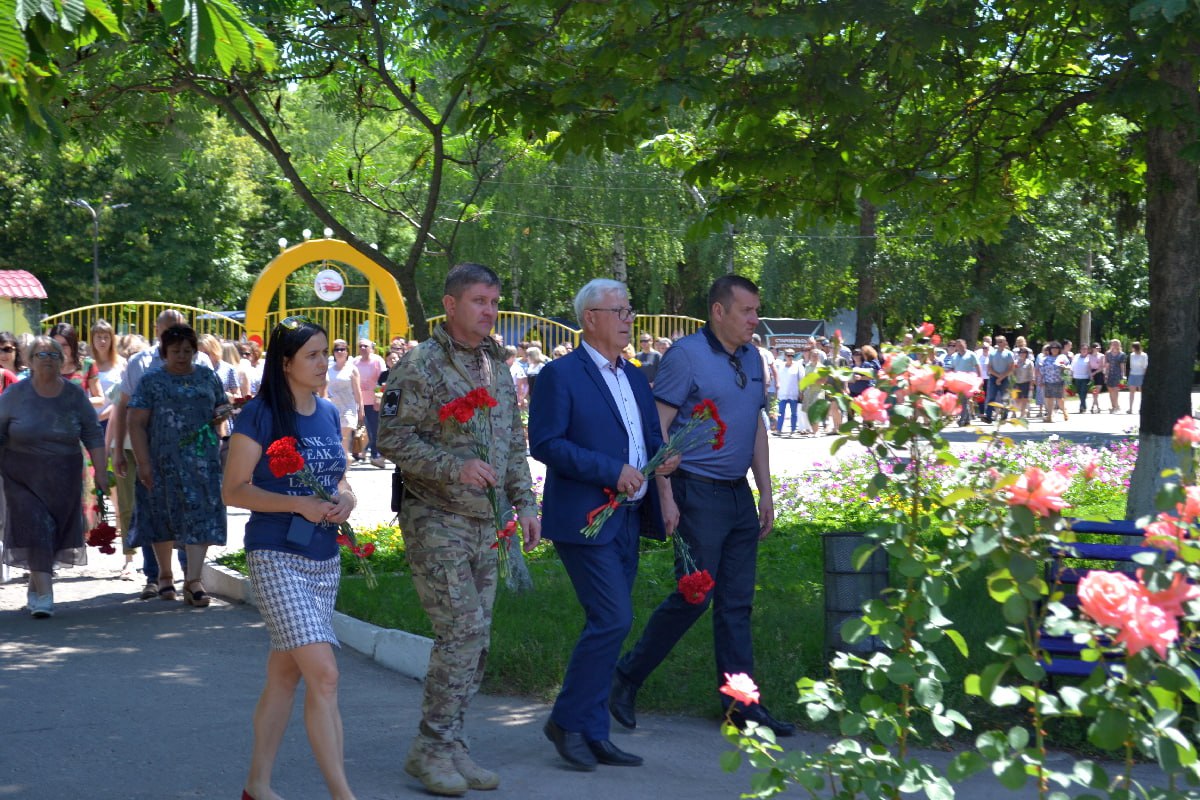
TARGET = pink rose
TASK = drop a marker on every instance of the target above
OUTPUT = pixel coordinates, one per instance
(1148, 626)
(741, 688)
(1172, 599)
(1189, 509)
(1185, 431)
(966, 383)
(926, 328)
(949, 405)
(873, 405)
(1109, 597)
(922, 379)
(1166, 532)
(1090, 470)
(1041, 492)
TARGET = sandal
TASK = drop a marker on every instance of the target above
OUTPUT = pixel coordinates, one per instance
(198, 598)
(167, 591)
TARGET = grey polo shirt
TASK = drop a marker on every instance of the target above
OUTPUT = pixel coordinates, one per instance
(697, 367)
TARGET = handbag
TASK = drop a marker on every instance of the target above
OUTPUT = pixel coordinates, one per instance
(358, 443)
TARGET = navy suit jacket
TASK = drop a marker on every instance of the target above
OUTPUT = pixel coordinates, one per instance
(576, 430)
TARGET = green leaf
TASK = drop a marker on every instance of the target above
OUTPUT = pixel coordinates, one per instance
(959, 641)
(173, 11)
(901, 671)
(731, 760)
(966, 764)
(853, 724)
(1029, 668)
(1012, 774)
(928, 692)
(943, 725)
(1110, 729)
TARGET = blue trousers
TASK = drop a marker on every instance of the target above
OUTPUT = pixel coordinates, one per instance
(997, 392)
(719, 523)
(783, 406)
(603, 578)
(372, 423)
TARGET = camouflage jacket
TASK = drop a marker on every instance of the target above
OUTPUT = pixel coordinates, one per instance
(430, 452)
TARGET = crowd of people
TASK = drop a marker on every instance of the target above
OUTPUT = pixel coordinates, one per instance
(149, 402)
(1014, 380)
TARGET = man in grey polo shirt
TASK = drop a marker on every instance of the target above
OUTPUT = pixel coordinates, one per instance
(1000, 367)
(709, 499)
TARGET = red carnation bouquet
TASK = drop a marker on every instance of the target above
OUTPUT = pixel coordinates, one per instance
(472, 413)
(284, 458)
(704, 426)
(103, 534)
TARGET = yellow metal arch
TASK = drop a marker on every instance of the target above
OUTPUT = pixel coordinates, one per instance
(273, 278)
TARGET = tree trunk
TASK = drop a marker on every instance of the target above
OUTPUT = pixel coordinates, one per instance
(864, 270)
(620, 265)
(968, 328)
(1173, 236)
(731, 232)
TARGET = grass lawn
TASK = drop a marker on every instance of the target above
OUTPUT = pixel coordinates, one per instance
(533, 633)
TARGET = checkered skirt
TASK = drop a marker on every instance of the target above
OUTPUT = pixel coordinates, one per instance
(295, 596)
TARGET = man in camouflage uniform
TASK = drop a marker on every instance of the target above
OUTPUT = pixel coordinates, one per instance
(446, 519)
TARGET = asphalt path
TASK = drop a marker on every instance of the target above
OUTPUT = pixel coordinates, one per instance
(121, 698)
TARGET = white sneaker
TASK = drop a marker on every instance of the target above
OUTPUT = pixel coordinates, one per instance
(42, 605)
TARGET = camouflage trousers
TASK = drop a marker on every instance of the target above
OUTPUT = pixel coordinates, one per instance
(455, 573)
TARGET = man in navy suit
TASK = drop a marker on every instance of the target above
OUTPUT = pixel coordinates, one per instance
(593, 423)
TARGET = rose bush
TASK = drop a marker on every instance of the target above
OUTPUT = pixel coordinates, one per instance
(943, 519)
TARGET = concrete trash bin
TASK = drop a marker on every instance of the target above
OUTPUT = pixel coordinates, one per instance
(846, 589)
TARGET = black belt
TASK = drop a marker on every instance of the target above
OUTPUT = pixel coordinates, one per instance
(732, 483)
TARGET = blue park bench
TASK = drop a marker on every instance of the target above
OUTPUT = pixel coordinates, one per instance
(1084, 556)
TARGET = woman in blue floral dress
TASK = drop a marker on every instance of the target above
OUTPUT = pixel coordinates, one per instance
(179, 470)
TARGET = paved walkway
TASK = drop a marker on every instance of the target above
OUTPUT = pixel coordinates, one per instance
(120, 698)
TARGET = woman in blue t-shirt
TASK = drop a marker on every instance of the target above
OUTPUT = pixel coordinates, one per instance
(291, 547)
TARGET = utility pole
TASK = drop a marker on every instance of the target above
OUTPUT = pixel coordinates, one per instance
(96, 211)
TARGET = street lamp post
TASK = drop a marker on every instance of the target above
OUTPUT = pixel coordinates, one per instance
(95, 211)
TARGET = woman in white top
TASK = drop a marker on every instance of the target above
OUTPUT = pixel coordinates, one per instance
(1138, 361)
(342, 388)
(109, 365)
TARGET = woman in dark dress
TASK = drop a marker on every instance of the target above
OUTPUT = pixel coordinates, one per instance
(42, 421)
(178, 461)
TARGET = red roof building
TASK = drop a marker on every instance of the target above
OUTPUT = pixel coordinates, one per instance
(20, 285)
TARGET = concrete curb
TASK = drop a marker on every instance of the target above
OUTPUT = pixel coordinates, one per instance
(400, 651)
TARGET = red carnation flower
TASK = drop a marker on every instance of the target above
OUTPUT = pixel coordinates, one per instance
(283, 457)
(695, 586)
(480, 398)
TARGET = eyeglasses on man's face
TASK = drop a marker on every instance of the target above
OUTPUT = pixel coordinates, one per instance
(623, 314)
(341, 349)
(244, 353)
(47, 355)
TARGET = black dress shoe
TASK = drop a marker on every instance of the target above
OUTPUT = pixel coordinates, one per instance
(571, 746)
(756, 713)
(622, 701)
(608, 753)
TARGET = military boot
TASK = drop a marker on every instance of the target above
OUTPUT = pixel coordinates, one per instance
(433, 765)
(476, 776)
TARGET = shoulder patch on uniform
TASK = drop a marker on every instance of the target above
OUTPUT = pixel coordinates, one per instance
(391, 403)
